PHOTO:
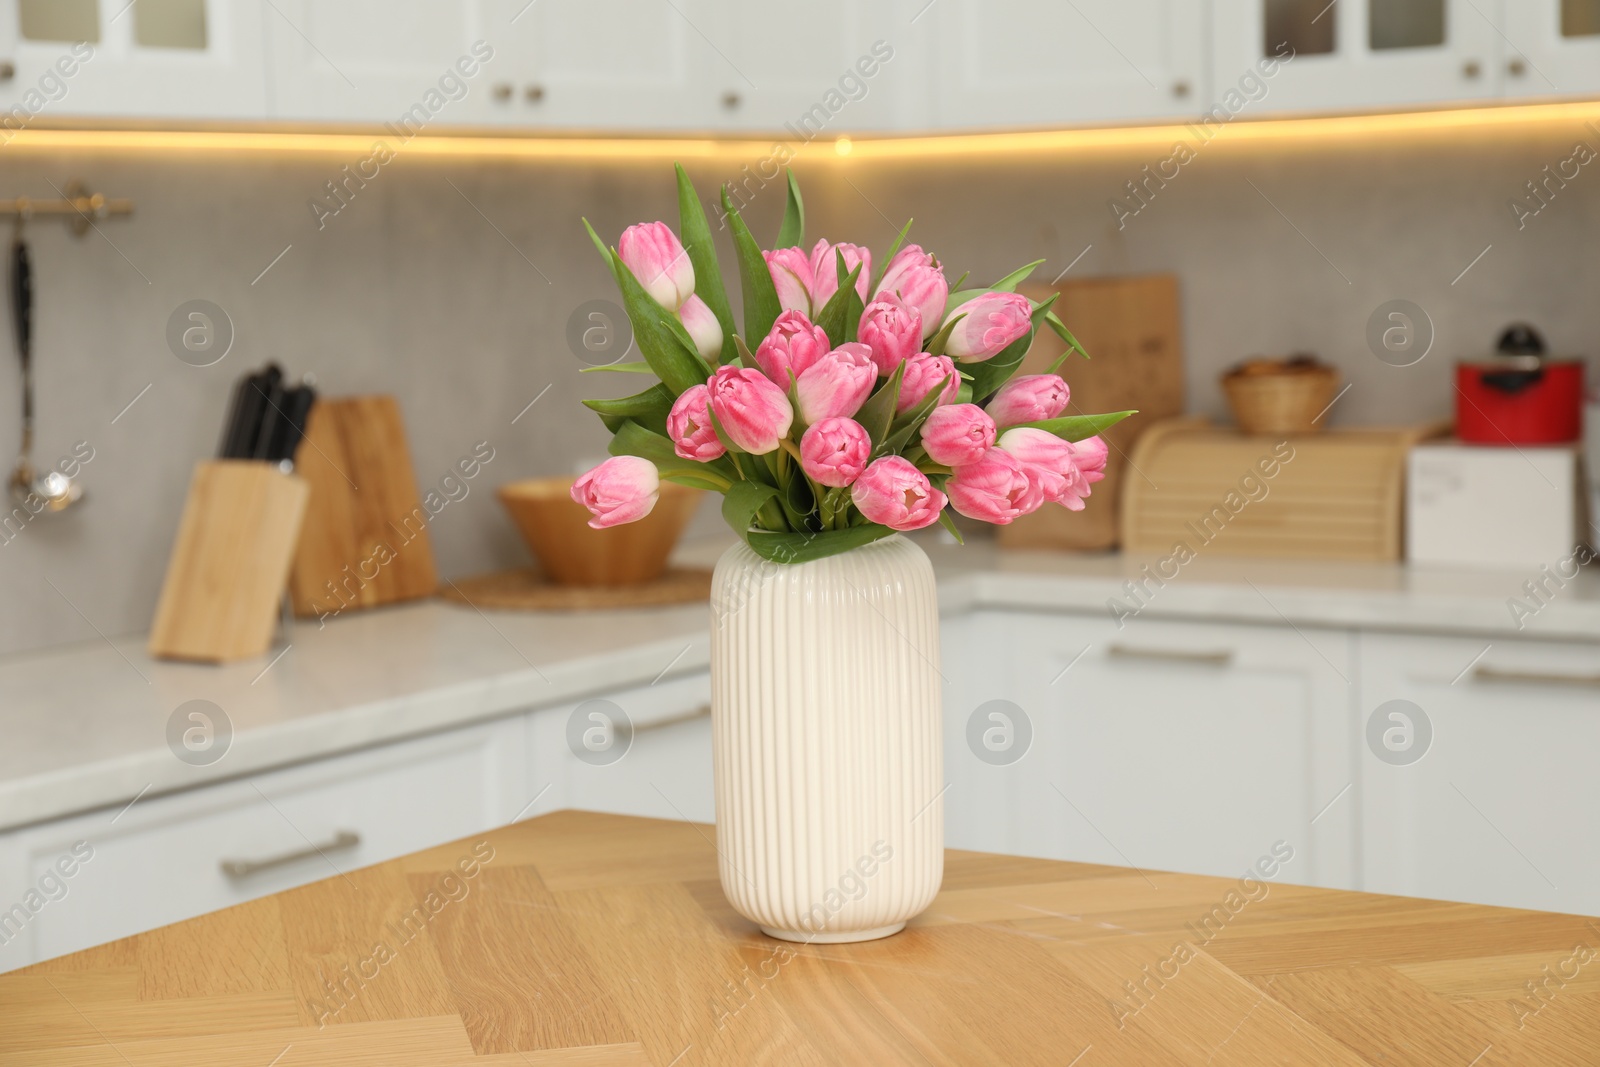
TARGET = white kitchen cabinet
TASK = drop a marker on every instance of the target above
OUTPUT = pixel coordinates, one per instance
(1500, 805)
(1553, 48)
(1009, 63)
(177, 59)
(644, 751)
(1360, 54)
(604, 64)
(419, 65)
(169, 858)
(1166, 745)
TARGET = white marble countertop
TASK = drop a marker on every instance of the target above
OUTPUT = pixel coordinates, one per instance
(85, 726)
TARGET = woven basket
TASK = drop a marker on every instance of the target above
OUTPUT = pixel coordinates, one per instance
(1281, 403)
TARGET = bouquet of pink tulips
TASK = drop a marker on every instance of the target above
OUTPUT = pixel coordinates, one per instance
(869, 402)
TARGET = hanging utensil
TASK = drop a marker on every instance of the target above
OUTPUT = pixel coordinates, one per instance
(55, 489)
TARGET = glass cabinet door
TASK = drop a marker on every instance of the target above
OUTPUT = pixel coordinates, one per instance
(1358, 54)
(1555, 47)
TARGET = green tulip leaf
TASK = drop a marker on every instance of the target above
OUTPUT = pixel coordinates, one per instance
(805, 547)
(1009, 283)
(761, 306)
(696, 236)
(877, 414)
(836, 318)
(1077, 427)
(793, 231)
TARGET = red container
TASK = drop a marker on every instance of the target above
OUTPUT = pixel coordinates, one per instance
(1519, 400)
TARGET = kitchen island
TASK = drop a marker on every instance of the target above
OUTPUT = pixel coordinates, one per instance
(584, 939)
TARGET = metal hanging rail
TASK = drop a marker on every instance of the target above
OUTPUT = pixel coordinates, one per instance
(80, 208)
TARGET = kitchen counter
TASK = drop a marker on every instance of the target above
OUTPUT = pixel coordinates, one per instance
(86, 726)
(578, 938)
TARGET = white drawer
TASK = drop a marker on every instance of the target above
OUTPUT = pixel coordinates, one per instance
(1500, 805)
(664, 770)
(164, 858)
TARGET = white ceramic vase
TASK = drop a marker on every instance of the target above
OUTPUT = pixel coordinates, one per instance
(825, 711)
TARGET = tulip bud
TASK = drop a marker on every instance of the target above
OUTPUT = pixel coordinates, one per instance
(892, 329)
(754, 413)
(917, 279)
(653, 253)
(997, 488)
(957, 434)
(834, 452)
(825, 271)
(689, 426)
(792, 345)
(893, 493)
(703, 327)
(992, 321)
(622, 489)
(1030, 398)
(837, 384)
(792, 277)
(923, 374)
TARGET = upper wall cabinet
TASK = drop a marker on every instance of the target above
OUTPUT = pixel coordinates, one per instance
(1362, 54)
(600, 63)
(180, 59)
(413, 63)
(1025, 63)
(1553, 47)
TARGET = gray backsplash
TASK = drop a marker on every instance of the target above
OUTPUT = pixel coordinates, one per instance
(448, 282)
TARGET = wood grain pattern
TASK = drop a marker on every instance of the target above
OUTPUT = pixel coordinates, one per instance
(366, 539)
(219, 600)
(585, 940)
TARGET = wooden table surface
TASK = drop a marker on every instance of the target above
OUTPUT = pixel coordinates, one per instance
(584, 939)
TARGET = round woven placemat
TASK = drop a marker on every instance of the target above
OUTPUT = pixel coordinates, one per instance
(525, 589)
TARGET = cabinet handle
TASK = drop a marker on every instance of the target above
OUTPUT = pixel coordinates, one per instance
(731, 100)
(244, 868)
(1180, 89)
(1493, 674)
(502, 91)
(1516, 68)
(8, 70)
(1220, 658)
(1471, 69)
(689, 716)
(533, 94)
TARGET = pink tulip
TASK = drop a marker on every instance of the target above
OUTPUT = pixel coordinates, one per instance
(825, 271)
(923, 374)
(704, 329)
(689, 426)
(1030, 398)
(916, 278)
(957, 434)
(895, 494)
(997, 488)
(622, 489)
(793, 277)
(1049, 460)
(834, 452)
(837, 384)
(790, 347)
(754, 413)
(653, 253)
(993, 321)
(892, 329)
(1089, 456)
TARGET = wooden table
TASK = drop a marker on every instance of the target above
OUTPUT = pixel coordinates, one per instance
(583, 939)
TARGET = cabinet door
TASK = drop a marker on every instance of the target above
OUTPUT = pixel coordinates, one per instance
(1486, 794)
(1027, 63)
(642, 751)
(1355, 54)
(604, 64)
(174, 857)
(1183, 746)
(418, 64)
(167, 59)
(1554, 47)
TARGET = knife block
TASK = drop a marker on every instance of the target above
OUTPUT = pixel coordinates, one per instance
(219, 601)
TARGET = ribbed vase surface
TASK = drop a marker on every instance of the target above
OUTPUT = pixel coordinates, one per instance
(825, 710)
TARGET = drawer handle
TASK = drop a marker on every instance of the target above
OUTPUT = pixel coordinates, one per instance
(1220, 658)
(244, 868)
(1492, 674)
(689, 716)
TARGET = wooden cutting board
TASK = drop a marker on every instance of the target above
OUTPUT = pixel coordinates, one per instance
(1131, 328)
(365, 540)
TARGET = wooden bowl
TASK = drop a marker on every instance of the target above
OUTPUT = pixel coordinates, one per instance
(1275, 403)
(556, 528)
